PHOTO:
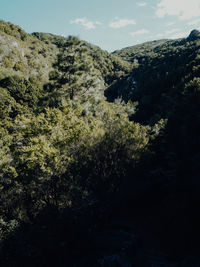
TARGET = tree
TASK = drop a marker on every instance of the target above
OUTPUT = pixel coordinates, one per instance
(76, 70)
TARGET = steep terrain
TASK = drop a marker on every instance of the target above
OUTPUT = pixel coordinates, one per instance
(99, 152)
(161, 69)
(43, 57)
(165, 83)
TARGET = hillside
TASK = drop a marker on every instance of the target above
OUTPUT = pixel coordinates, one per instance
(160, 71)
(99, 152)
(165, 84)
(137, 52)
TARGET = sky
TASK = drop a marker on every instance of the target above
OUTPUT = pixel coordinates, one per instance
(110, 24)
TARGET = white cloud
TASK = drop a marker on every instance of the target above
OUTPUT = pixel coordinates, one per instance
(141, 4)
(139, 32)
(119, 23)
(159, 35)
(98, 23)
(172, 31)
(179, 35)
(86, 23)
(194, 22)
(184, 9)
(170, 23)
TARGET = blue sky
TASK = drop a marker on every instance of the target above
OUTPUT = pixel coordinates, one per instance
(110, 24)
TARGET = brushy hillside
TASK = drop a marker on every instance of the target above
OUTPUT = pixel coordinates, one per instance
(161, 69)
(165, 82)
(73, 165)
(46, 58)
(22, 54)
(63, 148)
(137, 52)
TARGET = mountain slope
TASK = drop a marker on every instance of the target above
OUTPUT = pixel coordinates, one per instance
(73, 164)
(44, 58)
(160, 71)
(136, 52)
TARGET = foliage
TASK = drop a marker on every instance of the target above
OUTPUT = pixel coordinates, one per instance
(12, 30)
(76, 76)
(23, 91)
(157, 81)
(66, 153)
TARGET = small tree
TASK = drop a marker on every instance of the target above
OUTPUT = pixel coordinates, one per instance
(76, 68)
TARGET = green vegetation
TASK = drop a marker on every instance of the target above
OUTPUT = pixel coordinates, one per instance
(69, 159)
(158, 79)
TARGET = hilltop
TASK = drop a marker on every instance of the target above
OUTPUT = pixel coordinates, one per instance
(159, 74)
